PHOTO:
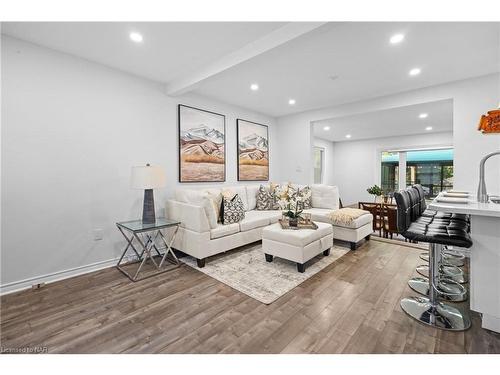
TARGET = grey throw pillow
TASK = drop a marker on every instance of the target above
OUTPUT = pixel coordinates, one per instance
(264, 199)
(232, 210)
(267, 199)
(306, 192)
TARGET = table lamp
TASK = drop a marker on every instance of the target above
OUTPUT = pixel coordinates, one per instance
(148, 178)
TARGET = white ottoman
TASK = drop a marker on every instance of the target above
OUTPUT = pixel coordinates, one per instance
(359, 228)
(296, 245)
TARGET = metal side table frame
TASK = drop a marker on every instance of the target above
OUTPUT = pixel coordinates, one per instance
(147, 245)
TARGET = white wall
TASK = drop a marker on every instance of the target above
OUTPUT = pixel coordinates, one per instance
(71, 130)
(471, 99)
(357, 163)
(328, 174)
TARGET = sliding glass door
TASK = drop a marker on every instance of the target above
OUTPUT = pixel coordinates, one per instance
(433, 169)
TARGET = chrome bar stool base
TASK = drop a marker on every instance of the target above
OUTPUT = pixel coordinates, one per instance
(447, 259)
(425, 256)
(447, 290)
(439, 316)
(450, 272)
(453, 259)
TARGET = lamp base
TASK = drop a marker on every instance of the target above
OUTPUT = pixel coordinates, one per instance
(148, 210)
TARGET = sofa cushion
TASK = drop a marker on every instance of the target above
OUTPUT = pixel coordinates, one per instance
(252, 191)
(254, 219)
(325, 196)
(186, 195)
(298, 238)
(224, 230)
(319, 214)
(271, 215)
(202, 198)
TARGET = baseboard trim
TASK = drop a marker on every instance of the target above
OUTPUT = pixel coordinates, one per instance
(17, 286)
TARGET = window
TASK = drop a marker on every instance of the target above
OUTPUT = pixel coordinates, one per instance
(390, 171)
(433, 169)
(319, 156)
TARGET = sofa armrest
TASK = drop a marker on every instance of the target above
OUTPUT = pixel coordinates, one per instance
(191, 217)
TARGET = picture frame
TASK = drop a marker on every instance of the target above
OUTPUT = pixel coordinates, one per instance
(252, 150)
(201, 145)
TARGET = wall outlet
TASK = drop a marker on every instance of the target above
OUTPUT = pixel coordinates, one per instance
(98, 234)
(37, 286)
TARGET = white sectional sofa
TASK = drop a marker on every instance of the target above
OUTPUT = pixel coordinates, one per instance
(201, 237)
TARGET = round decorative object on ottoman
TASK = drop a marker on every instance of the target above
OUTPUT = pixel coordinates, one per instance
(297, 245)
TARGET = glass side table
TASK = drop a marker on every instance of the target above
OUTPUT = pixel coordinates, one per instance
(146, 235)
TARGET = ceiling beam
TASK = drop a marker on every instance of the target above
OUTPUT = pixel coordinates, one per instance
(272, 40)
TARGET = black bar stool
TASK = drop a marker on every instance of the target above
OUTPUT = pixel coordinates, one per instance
(448, 266)
(438, 230)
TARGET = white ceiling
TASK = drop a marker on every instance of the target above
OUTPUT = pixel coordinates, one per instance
(388, 123)
(169, 49)
(365, 62)
(287, 60)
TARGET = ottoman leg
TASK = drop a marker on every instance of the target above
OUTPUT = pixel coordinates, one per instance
(326, 252)
(200, 262)
(301, 267)
(368, 237)
(353, 245)
(269, 258)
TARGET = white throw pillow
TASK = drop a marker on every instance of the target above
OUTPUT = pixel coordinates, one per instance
(203, 199)
(181, 195)
(325, 196)
(252, 191)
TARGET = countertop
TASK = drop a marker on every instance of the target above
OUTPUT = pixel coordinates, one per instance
(471, 208)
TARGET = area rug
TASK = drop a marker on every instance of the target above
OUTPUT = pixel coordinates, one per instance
(246, 270)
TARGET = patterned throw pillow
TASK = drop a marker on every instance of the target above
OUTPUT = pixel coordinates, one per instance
(305, 193)
(267, 198)
(264, 199)
(232, 210)
(275, 189)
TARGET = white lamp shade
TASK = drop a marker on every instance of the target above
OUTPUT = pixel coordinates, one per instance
(147, 177)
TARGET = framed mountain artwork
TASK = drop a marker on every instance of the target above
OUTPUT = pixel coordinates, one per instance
(253, 151)
(202, 155)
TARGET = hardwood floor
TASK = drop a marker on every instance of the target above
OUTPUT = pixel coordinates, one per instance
(352, 306)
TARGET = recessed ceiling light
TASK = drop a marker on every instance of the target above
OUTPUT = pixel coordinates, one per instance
(428, 128)
(254, 87)
(348, 136)
(397, 38)
(326, 128)
(136, 37)
(291, 101)
(415, 72)
(423, 115)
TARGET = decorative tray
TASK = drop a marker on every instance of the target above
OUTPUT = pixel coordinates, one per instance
(301, 225)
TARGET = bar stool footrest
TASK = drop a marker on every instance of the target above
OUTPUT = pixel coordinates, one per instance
(447, 290)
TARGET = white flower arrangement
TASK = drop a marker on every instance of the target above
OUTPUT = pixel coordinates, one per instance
(291, 200)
